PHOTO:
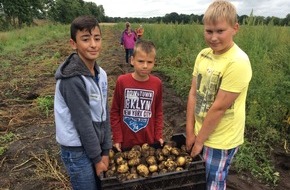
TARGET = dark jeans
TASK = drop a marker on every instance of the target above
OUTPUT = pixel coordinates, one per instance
(129, 53)
(80, 169)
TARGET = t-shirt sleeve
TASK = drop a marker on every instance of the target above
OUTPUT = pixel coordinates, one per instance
(237, 76)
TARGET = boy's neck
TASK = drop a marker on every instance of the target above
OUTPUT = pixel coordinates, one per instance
(91, 67)
(140, 78)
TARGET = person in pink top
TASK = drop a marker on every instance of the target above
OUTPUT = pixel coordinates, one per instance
(136, 114)
(128, 40)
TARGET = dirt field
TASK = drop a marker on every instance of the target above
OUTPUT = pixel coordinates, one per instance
(32, 161)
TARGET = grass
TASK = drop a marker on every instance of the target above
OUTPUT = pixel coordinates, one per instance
(45, 104)
(4, 140)
(16, 40)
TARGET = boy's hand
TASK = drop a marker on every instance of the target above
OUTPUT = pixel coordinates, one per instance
(118, 146)
(161, 141)
(190, 140)
(196, 149)
(105, 160)
(100, 167)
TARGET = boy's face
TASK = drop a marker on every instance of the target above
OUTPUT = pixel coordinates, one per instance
(143, 64)
(219, 35)
(88, 44)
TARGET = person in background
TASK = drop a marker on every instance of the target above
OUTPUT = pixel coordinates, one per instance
(139, 32)
(80, 107)
(136, 112)
(128, 39)
(215, 119)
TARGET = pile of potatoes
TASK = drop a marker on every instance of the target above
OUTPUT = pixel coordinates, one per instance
(145, 160)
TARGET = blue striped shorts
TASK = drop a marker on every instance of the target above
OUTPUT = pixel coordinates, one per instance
(217, 166)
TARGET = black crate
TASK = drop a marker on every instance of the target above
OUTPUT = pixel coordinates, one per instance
(191, 178)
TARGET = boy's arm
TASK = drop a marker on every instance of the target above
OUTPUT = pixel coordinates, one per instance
(159, 115)
(190, 115)
(223, 101)
(75, 95)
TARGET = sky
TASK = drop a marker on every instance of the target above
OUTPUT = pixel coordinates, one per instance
(154, 8)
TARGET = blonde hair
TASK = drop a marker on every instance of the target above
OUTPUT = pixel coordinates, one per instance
(221, 9)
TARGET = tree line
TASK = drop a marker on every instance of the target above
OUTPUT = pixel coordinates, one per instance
(19, 13)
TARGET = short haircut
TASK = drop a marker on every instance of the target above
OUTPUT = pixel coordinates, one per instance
(221, 9)
(144, 45)
(83, 23)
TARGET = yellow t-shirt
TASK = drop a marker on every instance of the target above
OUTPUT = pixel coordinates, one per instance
(230, 71)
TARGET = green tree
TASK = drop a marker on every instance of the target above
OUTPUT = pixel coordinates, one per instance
(171, 18)
(64, 11)
(95, 10)
(286, 21)
(18, 12)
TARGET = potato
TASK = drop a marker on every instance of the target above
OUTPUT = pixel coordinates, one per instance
(168, 147)
(171, 169)
(165, 151)
(119, 160)
(111, 154)
(143, 170)
(145, 154)
(112, 167)
(123, 168)
(136, 147)
(170, 163)
(163, 171)
(122, 177)
(183, 148)
(145, 146)
(188, 159)
(153, 168)
(151, 160)
(110, 173)
(180, 161)
(134, 162)
(144, 161)
(160, 157)
(175, 151)
(171, 157)
(161, 165)
(154, 174)
(125, 154)
(151, 151)
(131, 176)
(133, 154)
(179, 169)
(133, 170)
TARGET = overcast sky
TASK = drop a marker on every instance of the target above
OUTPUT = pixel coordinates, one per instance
(153, 8)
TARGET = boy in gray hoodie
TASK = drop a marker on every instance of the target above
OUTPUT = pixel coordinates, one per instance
(80, 107)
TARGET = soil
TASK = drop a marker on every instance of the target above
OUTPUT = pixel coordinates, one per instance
(31, 160)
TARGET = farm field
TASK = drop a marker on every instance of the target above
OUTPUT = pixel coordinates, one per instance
(31, 157)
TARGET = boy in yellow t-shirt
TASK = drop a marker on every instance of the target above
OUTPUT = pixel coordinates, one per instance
(216, 101)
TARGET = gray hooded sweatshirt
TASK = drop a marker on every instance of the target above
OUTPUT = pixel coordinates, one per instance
(81, 108)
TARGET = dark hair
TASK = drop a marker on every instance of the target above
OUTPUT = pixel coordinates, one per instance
(83, 23)
(144, 45)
